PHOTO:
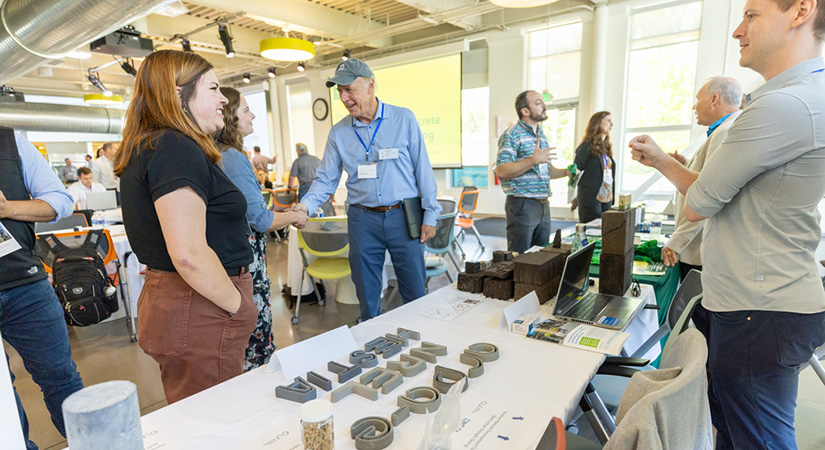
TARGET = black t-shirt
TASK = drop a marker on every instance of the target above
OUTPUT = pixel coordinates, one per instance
(174, 163)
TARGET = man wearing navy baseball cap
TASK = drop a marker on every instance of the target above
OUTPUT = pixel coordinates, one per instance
(382, 150)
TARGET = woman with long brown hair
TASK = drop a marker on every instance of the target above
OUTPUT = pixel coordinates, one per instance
(594, 158)
(185, 220)
(237, 120)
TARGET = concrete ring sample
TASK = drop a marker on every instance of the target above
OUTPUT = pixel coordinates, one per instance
(105, 415)
(444, 378)
(421, 400)
(371, 433)
(483, 351)
(477, 365)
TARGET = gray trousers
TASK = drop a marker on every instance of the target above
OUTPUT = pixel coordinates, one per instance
(528, 222)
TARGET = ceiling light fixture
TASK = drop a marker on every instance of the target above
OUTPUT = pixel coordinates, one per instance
(94, 78)
(345, 56)
(226, 39)
(247, 78)
(187, 46)
(302, 67)
(128, 66)
(101, 99)
(521, 3)
(287, 49)
(271, 72)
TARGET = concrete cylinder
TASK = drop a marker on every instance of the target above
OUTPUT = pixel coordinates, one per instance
(106, 415)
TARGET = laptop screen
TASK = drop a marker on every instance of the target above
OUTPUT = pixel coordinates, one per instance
(574, 280)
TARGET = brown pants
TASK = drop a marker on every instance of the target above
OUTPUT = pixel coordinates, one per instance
(196, 343)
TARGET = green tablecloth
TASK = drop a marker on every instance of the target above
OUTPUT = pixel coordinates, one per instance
(664, 286)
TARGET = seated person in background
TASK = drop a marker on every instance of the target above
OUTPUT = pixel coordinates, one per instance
(68, 173)
(263, 181)
(88, 161)
(87, 184)
(302, 172)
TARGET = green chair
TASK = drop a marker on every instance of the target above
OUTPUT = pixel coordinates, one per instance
(326, 238)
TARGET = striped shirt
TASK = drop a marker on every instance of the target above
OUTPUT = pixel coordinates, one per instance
(516, 144)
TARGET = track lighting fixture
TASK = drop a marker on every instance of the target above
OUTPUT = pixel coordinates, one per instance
(302, 67)
(127, 65)
(226, 39)
(187, 46)
(271, 72)
(247, 78)
(345, 56)
(95, 80)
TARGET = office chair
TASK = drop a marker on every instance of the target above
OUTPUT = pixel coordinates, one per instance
(467, 205)
(66, 223)
(326, 238)
(447, 207)
(439, 245)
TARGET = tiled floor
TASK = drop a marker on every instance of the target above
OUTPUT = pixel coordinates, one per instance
(103, 352)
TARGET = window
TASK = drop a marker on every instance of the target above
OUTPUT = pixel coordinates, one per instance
(260, 135)
(554, 60)
(554, 65)
(664, 44)
(299, 99)
(475, 138)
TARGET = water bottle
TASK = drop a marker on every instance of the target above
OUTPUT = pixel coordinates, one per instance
(98, 221)
(656, 227)
(580, 240)
(319, 212)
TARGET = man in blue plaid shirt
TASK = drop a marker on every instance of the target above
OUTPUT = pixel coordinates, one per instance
(523, 165)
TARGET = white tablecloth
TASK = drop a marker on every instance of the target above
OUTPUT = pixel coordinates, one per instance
(514, 399)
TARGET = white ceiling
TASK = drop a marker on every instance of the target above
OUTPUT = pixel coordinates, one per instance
(368, 28)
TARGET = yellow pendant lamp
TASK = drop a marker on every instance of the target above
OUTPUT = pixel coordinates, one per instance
(287, 49)
(100, 99)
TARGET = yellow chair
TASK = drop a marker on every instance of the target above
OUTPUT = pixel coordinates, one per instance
(326, 238)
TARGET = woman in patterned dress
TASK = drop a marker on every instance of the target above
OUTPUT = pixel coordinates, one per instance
(238, 124)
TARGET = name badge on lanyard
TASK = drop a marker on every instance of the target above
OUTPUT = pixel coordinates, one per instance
(369, 170)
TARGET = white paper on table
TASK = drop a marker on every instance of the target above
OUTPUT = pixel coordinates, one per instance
(449, 308)
(488, 423)
(533, 249)
(306, 355)
(527, 304)
(596, 339)
(8, 244)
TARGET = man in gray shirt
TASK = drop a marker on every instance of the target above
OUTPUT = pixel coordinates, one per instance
(68, 173)
(302, 173)
(763, 311)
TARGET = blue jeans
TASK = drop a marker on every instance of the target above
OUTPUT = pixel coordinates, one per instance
(31, 321)
(753, 373)
(371, 234)
(303, 189)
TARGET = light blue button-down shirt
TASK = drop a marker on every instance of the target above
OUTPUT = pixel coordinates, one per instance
(239, 169)
(41, 181)
(409, 175)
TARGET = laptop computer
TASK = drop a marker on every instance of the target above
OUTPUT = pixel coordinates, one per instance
(101, 201)
(576, 304)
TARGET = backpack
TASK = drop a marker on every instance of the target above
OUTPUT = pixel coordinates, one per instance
(80, 280)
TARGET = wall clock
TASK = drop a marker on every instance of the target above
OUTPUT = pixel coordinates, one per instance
(320, 109)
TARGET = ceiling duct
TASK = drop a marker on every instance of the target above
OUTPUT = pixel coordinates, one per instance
(61, 118)
(33, 32)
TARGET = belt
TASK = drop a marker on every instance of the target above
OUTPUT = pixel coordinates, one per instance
(379, 209)
(236, 271)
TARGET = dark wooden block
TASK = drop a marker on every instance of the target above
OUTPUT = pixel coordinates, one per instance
(544, 292)
(615, 273)
(535, 268)
(472, 267)
(473, 283)
(503, 270)
(618, 228)
(497, 288)
(501, 256)
(564, 250)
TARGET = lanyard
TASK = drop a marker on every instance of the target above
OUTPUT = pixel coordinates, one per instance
(818, 71)
(606, 163)
(380, 120)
